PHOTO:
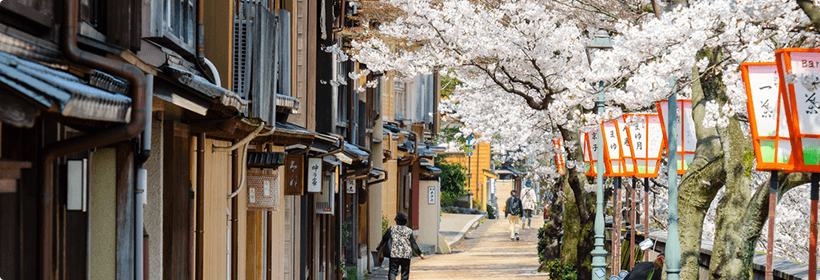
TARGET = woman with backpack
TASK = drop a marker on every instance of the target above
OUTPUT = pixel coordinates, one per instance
(398, 244)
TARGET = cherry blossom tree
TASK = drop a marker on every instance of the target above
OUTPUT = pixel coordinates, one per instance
(526, 80)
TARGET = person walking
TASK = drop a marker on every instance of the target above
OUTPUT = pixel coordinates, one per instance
(398, 244)
(512, 212)
(528, 198)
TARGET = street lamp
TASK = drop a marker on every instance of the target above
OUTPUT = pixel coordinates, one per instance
(770, 134)
(669, 111)
(646, 139)
(799, 75)
(600, 41)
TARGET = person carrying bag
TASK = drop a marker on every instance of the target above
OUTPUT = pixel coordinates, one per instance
(398, 244)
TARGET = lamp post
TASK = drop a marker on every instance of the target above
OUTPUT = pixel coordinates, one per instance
(601, 41)
(798, 71)
(686, 128)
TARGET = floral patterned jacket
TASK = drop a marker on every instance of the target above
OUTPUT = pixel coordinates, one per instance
(399, 243)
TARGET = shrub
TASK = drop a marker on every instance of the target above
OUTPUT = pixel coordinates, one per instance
(453, 178)
(490, 212)
(385, 224)
(449, 199)
(557, 271)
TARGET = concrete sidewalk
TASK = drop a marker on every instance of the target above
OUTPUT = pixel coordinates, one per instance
(487, 255)
(454, 226)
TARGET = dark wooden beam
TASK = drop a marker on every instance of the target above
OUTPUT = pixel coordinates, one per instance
(125, 210)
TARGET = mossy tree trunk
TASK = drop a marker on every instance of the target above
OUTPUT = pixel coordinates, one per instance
(553, 226)
(579, 212)
(699, 186)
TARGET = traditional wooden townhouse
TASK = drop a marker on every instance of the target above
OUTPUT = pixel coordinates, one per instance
(75, 103)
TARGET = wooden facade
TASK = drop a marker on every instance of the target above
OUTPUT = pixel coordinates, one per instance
(196, 223)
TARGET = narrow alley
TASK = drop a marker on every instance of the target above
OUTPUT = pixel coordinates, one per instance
(485, 253)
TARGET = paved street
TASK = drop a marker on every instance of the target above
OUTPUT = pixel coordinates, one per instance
(485, 253)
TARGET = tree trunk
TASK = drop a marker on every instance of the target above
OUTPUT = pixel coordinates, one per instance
(699, 185)
(552, 228)
(579, 210)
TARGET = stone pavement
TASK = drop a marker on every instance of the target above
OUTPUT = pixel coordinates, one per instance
(485, 253)
(454, 226)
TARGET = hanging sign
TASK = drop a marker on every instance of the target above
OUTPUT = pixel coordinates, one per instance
(646, 139)
(351, 186)
(767, 117)
(685, 131)
(294, 174)
(560, 166)
(799, 69)
(263, 192)
(314, 175)
(325, 199)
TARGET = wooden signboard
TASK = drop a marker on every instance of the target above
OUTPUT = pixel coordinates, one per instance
(294, 174)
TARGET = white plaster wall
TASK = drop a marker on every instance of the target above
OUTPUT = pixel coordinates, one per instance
(428, 214)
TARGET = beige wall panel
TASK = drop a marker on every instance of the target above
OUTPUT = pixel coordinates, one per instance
(390, 191)
(503, 188)
(278, 235)
(255, 245)
(102, 214)
(218, 180)
(218, 19)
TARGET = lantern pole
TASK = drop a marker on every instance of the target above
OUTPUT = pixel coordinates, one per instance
(646, 213)
(815, 190)
(632, 225)
(672, 239)
(616, 228)
(770, 239)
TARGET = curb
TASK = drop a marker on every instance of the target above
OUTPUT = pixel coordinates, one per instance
(471, 224)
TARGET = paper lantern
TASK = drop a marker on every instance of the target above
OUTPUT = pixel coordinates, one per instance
(767, 116)
(589, 142)
(560, 166)
(617, 152)
(687, 141)
(800, 69)
(646, 138)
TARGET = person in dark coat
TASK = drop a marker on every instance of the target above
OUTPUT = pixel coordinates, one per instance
(647, 270)
(399, 244)
(513, 210)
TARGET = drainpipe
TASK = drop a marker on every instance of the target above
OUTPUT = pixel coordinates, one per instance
(360, 174)
(379, 180)
(415, 155)
(200, 44)
(142, 182)
(339, 150)
(198, 262)
(59, 149)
